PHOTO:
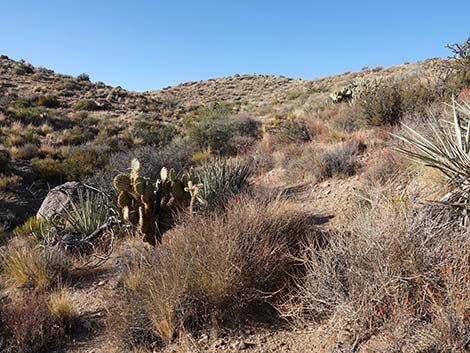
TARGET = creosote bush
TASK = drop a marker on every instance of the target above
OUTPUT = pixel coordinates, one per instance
(222, 132)
(400, 272)
(212, 267)
(318, 163)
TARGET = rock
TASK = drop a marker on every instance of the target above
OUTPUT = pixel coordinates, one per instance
(58, 199)
(239, 345)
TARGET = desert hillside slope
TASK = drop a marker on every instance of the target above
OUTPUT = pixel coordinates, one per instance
(251, 213)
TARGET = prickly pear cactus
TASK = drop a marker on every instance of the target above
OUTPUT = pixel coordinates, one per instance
(150, 205)
(356, 91)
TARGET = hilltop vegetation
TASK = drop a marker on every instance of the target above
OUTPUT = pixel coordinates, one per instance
(252, 212)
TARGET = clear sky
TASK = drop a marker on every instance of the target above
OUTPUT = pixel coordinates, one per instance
(145, 45)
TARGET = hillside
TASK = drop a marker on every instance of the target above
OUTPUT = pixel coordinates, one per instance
(59, 113)
(261, 214)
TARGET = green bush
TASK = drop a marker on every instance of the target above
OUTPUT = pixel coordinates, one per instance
(83, 162)
(77, 136)
(289, 130)
(47, 170)
(155, 134)
(223, 133)
(383, 105)
(49, 101)
(86, 104)
(24, 69)
(83, 77)
(27, 115)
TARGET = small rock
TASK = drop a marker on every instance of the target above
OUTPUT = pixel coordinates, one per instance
(218, 343)
(204, 339)
(239, 345)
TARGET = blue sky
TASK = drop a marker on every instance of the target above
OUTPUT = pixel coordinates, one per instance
(144, 45)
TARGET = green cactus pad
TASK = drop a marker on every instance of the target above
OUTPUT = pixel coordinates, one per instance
(124, 199)
(122, 182)
(177, 190)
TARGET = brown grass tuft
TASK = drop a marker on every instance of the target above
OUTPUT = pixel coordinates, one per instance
(213, 267)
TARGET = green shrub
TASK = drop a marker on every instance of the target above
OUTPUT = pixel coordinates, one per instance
(77, 136)
(49, 101)
(156, 134)
(289, 130)
(33, 226)
(83, 77)
(383, 105)
(47, 170)
(83, 162)
(223, 133)
(27, 115)
(24, 69)
(86, 104)
(9, 182)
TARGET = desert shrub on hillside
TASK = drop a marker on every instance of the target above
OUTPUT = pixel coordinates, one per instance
(155, 134)
(400, 274)
(77, 136)
(27, 115)
(83, 77)
(348, 119)
(382, 105)
(320, 163)
(289, 130)
(82, 162)
(24, 152)
(86, 104)
(222, 132)
(47, 170)
(384, 169)
(49, 101)
(23, 68)
(211, 268)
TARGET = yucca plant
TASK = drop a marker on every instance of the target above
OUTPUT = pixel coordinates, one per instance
(221, 178)
(85, 214)
(448, 151)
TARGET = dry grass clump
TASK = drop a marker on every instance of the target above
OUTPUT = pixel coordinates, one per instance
(398, 267)
(28, 264)
(386, 167)
(27, 325)
(61, 306)
(322, 163)
(212, 268)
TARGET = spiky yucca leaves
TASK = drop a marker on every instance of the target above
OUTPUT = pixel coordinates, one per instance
(448, 151)
(221, 178)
